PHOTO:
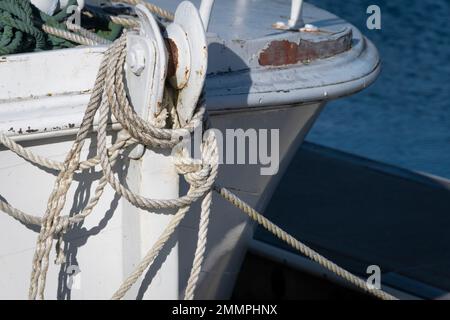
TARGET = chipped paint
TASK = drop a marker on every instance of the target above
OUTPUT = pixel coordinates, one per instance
(284, 52)
(29, 130)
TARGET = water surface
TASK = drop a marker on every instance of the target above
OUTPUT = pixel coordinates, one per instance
(404, 118)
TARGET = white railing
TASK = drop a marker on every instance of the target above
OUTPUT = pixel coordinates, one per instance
(205, 12)
(295, 21)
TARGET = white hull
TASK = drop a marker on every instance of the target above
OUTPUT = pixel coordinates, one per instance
(115, 237)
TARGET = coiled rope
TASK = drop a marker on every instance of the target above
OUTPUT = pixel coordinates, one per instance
(109, 96)
(17, 26)
(24, 28)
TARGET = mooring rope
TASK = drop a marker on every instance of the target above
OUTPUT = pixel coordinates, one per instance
(108, 97)
(299, 246)
(69, 36)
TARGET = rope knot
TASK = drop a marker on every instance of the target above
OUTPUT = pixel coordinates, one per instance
(195, 172)
(198, 173)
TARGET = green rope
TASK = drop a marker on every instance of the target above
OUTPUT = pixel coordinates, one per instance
(113, 32)
(9, 41)
(21, 27)
(16, 21)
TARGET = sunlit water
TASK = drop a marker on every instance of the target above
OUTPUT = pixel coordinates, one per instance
(404, 118)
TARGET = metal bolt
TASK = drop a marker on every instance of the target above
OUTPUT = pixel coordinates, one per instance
(136, 60)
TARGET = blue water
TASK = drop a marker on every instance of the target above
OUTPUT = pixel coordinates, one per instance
(404, 118)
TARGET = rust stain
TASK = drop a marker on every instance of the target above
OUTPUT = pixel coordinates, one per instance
(284, 52)
(173, 57)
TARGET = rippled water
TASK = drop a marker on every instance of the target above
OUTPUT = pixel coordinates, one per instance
(404, 118)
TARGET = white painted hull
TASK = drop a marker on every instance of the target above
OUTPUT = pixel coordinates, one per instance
(116, 236)
(247, 86)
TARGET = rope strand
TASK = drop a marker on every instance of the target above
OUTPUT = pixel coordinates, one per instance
(299, 246)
